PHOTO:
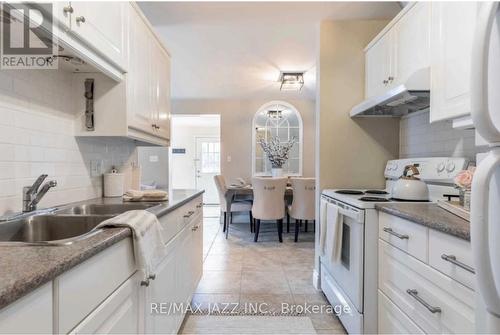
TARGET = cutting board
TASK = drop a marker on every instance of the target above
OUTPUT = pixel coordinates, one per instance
(454, 208)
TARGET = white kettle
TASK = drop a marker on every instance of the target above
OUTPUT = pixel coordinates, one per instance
(408, 187)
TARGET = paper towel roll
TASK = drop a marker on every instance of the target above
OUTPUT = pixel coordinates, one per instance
(113, 184)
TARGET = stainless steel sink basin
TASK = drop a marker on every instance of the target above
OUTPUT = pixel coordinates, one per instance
(49, 229)
(110, 209)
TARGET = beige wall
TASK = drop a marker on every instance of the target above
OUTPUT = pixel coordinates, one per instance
(236, 131)
(352, 152)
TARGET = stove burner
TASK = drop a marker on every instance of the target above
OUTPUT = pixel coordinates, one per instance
(374, 199)
(349, 192)
(376, 192)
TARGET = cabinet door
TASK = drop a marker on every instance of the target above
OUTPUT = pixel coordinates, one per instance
(412, 43)
(139, 76)
(452, 29)
(164, 95)
(377, 66)
(103, 25)
(118, 314)
(164, 296)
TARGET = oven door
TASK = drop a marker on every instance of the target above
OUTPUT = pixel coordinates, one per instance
(348, 272)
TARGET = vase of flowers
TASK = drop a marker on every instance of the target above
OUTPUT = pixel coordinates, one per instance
(463, 182)
(277, 152)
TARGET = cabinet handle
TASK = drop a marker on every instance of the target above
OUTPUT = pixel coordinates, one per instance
(195, 228)
(188, 214)
(430, 308)
(453, 259)
(199, 205)
(68, 9)
(145, 282)
(385, 82)
(152, 277)
(80, 19)
(398, 235)
(390, 79)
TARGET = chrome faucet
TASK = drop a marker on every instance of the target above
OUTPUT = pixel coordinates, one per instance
(32, 195)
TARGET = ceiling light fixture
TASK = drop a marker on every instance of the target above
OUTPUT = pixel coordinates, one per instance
(291, 81)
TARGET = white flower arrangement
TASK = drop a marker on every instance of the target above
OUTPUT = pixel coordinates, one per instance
(277, 151)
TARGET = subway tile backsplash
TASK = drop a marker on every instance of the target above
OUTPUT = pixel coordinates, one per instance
(419, 138)
(36, 137)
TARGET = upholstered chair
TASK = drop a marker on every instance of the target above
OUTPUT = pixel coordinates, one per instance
(269, 202)
(236, 206)
(303, 204)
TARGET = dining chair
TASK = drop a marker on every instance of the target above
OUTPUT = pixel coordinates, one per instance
(269, 202)
(236, 205)
(303, 203)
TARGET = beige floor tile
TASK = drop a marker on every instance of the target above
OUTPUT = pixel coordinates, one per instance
(327, 322)
(265, 303)
(300, 282)
(209, 303)
(261, 261)
(254, 282)
(223, 262)
(220, 282)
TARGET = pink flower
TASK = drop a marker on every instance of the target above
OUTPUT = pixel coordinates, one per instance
(464, 178)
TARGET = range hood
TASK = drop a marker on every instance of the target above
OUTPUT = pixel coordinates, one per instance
(411, 96)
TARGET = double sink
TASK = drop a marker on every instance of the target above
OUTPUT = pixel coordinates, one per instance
(62, 226)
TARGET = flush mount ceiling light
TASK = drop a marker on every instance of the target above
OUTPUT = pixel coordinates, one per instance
(291, 81)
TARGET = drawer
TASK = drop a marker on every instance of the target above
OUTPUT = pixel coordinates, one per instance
(84, 287)
(405, 235)
(452, 256)
(411, 284)
(171, 223)
(391, 320)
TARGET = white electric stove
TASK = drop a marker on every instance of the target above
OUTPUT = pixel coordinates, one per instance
(352, 281)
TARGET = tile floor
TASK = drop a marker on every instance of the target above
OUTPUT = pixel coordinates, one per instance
(244, 280)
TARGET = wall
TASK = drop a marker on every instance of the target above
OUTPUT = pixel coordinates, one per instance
(419, 138)
(36, 136)
(183, 165)
(236, 131)
(351, 152)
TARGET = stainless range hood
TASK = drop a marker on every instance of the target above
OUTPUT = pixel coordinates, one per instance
(412, 96)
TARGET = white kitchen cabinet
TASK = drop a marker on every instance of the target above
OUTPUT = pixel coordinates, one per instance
(118, 314)
(138, 107)
(30, 314)
(452, 30)
(400, 53)
(412, 44)
(379, 61)
(392, 320)
(103, 25)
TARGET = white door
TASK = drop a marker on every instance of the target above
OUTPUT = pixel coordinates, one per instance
(207, 165)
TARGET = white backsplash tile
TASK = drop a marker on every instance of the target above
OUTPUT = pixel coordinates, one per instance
(419, 138)
(36, 137)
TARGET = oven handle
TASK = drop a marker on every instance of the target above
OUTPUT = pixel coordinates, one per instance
(345, 210)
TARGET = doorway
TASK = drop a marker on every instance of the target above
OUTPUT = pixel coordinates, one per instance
(196, 154)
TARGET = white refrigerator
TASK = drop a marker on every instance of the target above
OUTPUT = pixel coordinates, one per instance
(485, 199)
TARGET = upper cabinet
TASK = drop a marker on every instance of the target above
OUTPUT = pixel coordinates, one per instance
(139, 106)
(452, 28)
(400, 51)
(102, 24)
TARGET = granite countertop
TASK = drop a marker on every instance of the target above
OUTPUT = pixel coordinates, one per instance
(430, 215)
(24, 268)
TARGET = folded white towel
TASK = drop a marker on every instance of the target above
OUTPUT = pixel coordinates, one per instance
(149, 246)
(322, 225)
(334, 223)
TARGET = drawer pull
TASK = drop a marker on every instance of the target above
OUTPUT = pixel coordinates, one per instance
(432, 309)
(189, 214)
(453, 259)
(199, 205)
(393, 233)
(145, 282)
(152, 277)
(195, 228)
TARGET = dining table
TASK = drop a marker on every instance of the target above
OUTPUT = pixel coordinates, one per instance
(233, 191)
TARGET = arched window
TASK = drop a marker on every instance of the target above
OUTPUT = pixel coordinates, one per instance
(277, 118)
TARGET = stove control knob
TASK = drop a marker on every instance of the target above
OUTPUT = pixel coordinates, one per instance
(440, 167)
(450, 167)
